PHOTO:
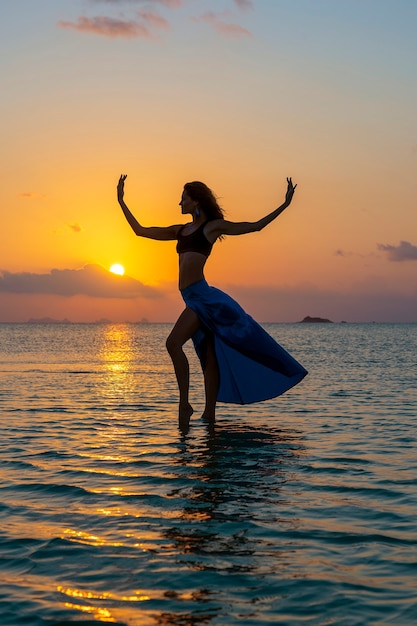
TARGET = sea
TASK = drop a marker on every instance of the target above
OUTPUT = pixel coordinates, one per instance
(298, 510)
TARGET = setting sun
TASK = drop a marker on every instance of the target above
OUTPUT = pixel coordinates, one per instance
(116, 268)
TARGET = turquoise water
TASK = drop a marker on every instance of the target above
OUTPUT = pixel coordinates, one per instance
(299, 510)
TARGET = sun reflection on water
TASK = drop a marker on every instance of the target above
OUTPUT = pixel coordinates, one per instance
(118, 354)
(104, 595)
(118, 341)
(100, 613)
(89, 539)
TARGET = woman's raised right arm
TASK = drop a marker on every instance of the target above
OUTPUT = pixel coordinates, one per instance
(162, 233)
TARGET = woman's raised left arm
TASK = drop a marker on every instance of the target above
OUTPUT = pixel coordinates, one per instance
(224, 227)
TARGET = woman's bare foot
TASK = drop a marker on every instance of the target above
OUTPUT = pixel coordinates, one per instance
(184, 413)
(209, 416)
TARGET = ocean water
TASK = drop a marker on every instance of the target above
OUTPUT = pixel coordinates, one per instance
(299, 510)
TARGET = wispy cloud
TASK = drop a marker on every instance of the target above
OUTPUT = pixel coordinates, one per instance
(154, 20)
(143, 22)
(244, 4)
(75, 227)
(107, 26)
(225, 28)
(31, 195)
(172, 4)
(404, 252)
(92, 280)
(112, 27)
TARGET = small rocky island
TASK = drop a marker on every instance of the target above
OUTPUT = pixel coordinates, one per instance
(315, 320)
(47, 320)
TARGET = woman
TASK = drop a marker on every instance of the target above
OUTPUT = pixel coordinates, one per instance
(240, 361)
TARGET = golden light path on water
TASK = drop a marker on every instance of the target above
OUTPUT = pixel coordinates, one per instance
(118, 355)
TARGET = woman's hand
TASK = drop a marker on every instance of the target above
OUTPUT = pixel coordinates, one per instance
(121, 187)
(290, 191)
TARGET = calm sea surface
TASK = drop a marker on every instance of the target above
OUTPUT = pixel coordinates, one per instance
(299, 510)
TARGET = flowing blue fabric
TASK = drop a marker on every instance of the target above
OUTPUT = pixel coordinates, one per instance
(252, 365)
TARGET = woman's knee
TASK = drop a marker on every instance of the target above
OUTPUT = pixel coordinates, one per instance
(172, 344)
(184, 329)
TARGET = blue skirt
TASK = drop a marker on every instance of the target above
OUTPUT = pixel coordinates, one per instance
(252, 365)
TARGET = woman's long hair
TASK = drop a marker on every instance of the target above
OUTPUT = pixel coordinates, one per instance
(199, 192)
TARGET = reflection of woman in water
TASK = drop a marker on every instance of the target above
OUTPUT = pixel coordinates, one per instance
(240, 361)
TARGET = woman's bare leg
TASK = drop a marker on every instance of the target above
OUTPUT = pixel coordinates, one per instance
(185, 327)
(211, 382)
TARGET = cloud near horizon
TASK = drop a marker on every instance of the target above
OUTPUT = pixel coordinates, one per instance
(404, 252)
(91, 280)
(92, 292)
(292, 304)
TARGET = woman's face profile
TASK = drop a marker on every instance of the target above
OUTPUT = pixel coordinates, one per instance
(186, 203)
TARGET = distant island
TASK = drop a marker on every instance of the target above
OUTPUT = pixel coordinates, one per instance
(51, 320)
(47, 320)
(103, 320)
(315, 320)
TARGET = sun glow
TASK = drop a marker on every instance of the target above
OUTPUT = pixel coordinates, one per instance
(118, 269)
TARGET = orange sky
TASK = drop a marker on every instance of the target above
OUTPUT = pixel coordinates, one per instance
(239, 97)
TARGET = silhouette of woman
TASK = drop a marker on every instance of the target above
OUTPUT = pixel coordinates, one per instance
(241, 363)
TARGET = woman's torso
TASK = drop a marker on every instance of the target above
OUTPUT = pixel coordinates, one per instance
(191, 268)
(193, 249)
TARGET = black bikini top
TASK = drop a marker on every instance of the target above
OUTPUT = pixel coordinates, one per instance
(194, 242)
